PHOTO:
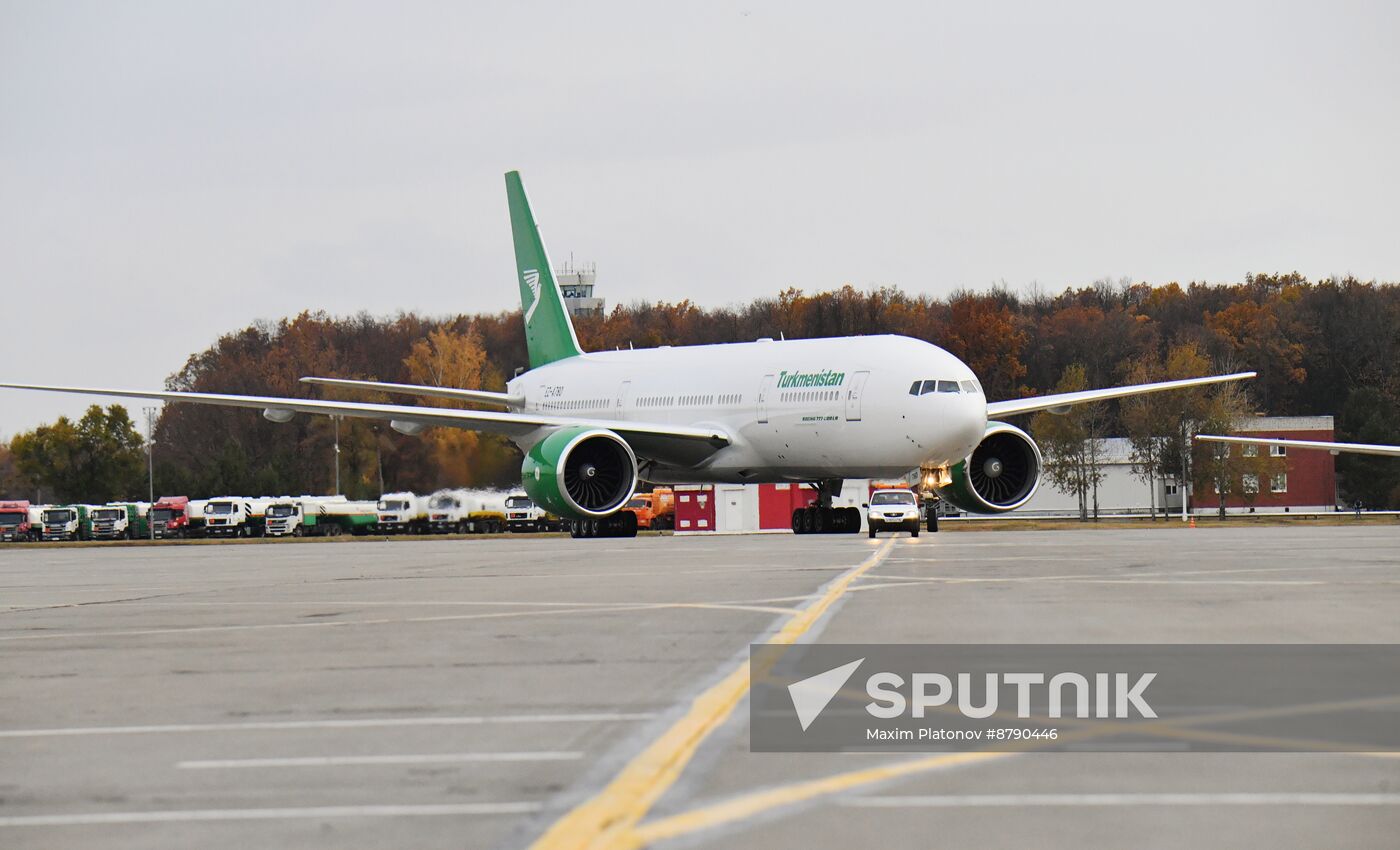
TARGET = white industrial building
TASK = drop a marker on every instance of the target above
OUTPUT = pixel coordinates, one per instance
(1120, 491)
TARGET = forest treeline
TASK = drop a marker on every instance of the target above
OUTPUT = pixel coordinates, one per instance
(1320, 347)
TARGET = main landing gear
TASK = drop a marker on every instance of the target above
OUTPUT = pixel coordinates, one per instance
(620, 524)
(821, 518)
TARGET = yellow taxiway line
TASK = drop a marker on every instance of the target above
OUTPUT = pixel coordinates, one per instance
(609, 819)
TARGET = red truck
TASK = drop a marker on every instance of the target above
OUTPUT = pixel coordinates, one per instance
(15, 524)
(170, 517)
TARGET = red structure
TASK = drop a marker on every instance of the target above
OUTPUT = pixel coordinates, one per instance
(695, 507)
(776, 502)
(1310, 477)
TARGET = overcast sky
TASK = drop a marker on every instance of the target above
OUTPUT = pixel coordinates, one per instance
(172, 171)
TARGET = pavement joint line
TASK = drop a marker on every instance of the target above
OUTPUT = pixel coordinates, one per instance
(1128, 799)
(609, 818)
(346, 723)
(407, 758)
(327, 624)
(187, 815)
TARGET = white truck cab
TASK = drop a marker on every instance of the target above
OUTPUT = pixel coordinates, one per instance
(894, 510)
(110, 522)
(63, 522)
(234, 516)
(402, 513)
(522, 514)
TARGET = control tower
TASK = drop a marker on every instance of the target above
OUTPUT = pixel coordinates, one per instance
(576, 284)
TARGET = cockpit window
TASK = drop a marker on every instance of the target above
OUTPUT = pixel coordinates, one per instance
(932, 386)
(969, 387)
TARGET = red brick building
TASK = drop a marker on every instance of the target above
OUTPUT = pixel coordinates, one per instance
(1309, 480)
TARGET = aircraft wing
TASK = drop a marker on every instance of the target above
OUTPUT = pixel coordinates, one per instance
(648, 439)
(1334, 448)
(474, 396)
(1061, 402)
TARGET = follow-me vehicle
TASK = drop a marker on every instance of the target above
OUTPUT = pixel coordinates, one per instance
(816, 411)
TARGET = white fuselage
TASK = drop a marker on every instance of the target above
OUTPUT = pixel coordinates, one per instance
(797, 410)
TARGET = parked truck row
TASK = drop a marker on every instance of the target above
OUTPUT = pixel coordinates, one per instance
(456, 511)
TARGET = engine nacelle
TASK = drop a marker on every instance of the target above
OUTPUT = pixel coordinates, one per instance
(1000, 475)
(580, 472)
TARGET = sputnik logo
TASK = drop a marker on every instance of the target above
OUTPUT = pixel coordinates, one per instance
(812, 695)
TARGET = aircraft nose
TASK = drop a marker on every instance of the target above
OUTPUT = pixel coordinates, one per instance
(972, 422)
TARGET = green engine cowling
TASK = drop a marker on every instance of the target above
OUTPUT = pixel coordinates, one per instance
(1000, 475)
(579, 472)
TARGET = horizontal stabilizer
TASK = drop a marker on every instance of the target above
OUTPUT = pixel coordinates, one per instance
(1334, 448)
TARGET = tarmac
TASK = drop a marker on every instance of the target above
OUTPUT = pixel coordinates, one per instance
(547, 692)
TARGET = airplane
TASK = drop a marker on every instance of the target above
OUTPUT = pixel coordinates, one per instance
(812, 411)
(1334, 448)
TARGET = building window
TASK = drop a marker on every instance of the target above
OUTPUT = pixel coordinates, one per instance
(1251, 450)
(1278, 451)
(1171, 489)
(1279, 483)
(1250, 483)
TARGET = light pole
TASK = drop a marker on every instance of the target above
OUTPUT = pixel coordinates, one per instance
(337, 455)
(1185, 453)
(151, 465)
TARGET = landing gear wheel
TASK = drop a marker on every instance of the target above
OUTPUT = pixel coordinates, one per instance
(798, 521)
(821, 520)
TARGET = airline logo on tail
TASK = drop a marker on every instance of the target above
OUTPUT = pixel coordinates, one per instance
(532, 280)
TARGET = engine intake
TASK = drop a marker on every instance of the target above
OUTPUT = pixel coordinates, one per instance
(580, 472)
(1000, 475)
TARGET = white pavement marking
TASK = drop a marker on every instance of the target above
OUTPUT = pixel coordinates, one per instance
(359, 723)
(419, 758)
(382, 621)
(1020, 800)
(179, 815)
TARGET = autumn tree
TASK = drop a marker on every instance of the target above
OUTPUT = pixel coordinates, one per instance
(1372, 416)
(1072, 444)
(13, 483)
(448, 359)
(984, 334)
(98, 459)
(1222, 468)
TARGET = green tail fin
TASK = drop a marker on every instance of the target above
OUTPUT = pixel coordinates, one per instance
(549, 335)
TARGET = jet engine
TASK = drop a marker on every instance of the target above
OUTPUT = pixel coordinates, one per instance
(580, 472)
(1000, 475)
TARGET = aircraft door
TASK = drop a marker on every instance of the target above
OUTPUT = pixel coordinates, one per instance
(764, 389)
(624, 393)
(853, 394)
